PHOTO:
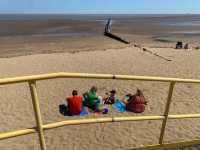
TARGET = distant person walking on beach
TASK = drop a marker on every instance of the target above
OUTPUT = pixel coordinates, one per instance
(136, 103)
(74, 104)
(108, 26)
(92, 100)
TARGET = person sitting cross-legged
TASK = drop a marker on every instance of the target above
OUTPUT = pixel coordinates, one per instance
(136, 103)
(110, 98)
(74, 104)
(92, 100)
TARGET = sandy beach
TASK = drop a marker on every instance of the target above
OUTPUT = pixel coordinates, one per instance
(17, 111)
(27, 55)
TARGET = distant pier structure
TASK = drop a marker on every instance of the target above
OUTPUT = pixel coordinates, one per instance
(108, 33)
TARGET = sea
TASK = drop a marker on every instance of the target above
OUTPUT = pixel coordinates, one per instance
(171, 19)
(163, 24)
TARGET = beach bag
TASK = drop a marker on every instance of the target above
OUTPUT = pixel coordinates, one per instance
(119, 106)
(63, 109)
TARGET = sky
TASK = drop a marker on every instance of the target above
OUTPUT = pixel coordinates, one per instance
(101, 6)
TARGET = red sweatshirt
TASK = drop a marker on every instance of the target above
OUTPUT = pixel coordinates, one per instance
(75, 105)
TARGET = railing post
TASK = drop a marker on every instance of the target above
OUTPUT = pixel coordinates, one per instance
(166, 113)
(38, 118)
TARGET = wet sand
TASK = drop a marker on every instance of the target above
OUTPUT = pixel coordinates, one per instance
(83, 33)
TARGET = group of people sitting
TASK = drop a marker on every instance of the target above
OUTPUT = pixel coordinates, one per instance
(91, 102)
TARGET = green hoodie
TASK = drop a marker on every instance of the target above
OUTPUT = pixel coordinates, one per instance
(91, 100)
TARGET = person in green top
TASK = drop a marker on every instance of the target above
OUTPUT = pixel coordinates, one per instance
(91, 100)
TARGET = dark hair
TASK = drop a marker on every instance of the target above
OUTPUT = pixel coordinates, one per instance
(93, 88)
(129, 95)
(74, 92)
(139, 92)
(113, 91)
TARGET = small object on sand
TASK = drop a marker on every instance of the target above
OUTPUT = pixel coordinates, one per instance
(119, 106)
(197, 48)
(138, 46)
(179, 45)
(63, 109)
(186, 46)
(105, 111)
(144, 49)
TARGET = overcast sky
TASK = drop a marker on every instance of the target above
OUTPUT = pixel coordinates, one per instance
(100, 6)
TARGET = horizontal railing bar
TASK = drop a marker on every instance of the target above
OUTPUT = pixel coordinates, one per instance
(182, 143)
(17, 133)
(137, 118)
(93, 120)
(150, 147)
(151, 78)
(52, 76)
(77, 122)
(168, 145)
(184, 116)
(101, 120)
(92, 76)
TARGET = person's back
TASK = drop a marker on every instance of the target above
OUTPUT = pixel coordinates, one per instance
(136, 104)
(108, 26)
(91, 99)
(75, 104)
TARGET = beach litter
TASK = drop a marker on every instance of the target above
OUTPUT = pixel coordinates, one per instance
(179, 45)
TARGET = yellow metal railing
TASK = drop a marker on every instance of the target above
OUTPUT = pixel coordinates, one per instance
(41, 127)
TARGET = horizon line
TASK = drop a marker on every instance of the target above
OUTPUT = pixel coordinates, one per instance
(37, 13)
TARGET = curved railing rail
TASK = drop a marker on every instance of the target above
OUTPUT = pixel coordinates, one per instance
(41, 127)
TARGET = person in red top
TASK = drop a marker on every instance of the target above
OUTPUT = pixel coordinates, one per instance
(136, 102)
(75, 103)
